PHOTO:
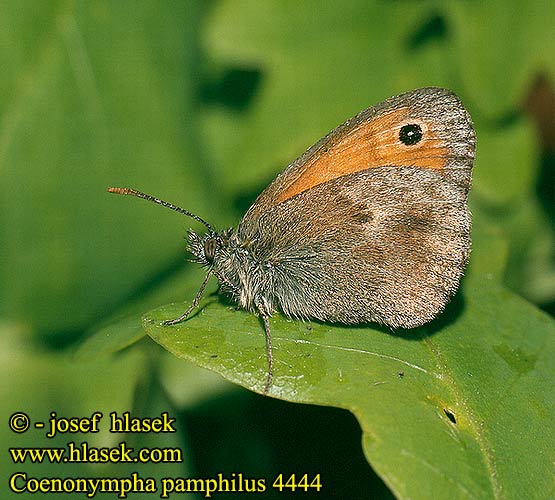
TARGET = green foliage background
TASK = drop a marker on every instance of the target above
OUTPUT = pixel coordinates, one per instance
(203, 103)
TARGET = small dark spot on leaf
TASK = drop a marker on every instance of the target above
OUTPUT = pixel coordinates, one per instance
(401, 374)
(450, 415)
(213, 355)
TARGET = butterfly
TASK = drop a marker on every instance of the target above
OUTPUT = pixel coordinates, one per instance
(370, 224)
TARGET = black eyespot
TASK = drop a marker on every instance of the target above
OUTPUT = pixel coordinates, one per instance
(410, 134)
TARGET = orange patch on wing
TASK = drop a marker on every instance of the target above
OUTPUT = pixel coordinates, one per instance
(369, 144)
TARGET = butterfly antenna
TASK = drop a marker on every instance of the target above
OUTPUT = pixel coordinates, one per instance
(138, 194)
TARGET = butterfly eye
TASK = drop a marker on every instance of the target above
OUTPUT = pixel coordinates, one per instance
(410, 134)
(210, 247)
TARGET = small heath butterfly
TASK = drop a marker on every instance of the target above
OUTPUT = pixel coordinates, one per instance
(370, 224)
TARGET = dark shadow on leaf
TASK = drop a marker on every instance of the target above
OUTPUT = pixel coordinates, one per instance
(233, 89)
(263, 437)
(434, 28)
(447, 317)
(539, 105)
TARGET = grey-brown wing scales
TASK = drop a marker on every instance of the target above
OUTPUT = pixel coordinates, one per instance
(387, 244)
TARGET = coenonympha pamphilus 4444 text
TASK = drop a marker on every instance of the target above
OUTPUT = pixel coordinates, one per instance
(370, 224)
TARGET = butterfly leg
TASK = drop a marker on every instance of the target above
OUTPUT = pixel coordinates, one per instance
(265, 319)
(196, 300)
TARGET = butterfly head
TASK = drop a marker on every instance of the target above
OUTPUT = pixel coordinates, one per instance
(209, 247)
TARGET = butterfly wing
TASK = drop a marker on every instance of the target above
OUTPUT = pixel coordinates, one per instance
(371, 139)
(371, 223)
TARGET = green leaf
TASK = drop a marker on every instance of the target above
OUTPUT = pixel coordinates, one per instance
(125, 328)
(94, 94)
(456, 409)
(67, 388)
(321, 63)
(506, 164)
(113, 337)
(497, 64)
